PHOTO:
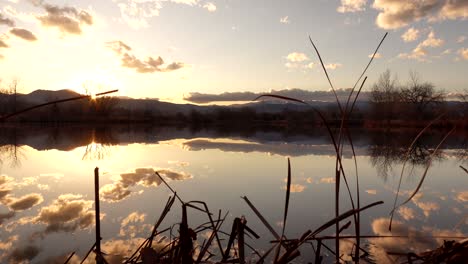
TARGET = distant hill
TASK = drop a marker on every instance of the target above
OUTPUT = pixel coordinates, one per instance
(155, 106)
(44, 96)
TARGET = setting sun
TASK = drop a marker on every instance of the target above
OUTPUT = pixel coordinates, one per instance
(123, 121)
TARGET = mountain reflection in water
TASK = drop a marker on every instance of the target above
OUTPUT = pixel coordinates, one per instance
(47, 201)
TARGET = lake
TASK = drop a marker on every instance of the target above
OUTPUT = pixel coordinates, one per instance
(47, 187)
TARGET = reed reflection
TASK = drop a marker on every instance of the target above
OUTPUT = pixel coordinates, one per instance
(389, 149)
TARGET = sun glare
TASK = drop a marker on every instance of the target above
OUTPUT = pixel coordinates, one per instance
(92, 84)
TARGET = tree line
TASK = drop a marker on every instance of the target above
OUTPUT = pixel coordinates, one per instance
(391, 104)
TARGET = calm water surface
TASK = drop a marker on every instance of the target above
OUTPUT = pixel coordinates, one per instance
(47, 183)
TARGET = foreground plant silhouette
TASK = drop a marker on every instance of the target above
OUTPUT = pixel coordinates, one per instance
(225, 247)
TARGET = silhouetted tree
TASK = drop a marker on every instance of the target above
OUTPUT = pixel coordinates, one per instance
(421, 95)
(385, 96)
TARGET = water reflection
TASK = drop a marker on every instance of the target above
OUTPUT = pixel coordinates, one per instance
(406, 239)
(36, 204)
(145, 177)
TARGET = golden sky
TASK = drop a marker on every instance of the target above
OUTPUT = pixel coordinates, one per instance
(168, 49)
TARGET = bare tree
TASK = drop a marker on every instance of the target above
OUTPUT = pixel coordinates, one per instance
(421, 94)
(385, 89)
(8, 96)
(385, 96)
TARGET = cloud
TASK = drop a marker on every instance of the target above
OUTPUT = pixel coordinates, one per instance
(23, 33)
(461, 39)
(462, 196)
(285, 20)
(395, 14)
(371, 191)
(67, 213)
(297, 57)
(145, 177)
(454, 9)
(25, 202)
(149, 65)
(351, 6)
(406, 212)
(133, 224)
(399, 13)
(24, 254)
(324, 96)
(6, 21)
(7, 244)
(432, 41)
(67, 19)
(377, 55)
(6, 216)
(426, 206)
(135, 13)
(420, 52)
(290, 149)
(296, 188)
(117, 250)
(446, 52)
(333, 66)
(327, 180)
(463, 53)
(210, 7)
(411, 34)
(3, 44)
(412, 240)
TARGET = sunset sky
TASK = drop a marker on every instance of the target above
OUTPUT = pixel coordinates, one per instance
(168, 49)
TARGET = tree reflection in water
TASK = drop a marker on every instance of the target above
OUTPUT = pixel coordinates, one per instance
(390, 149)
(100, 144)
(11, 151)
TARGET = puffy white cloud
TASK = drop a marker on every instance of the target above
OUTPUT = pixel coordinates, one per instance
(67, 213)
(297, 57)
(210, 7)
(411, 34)
(377, 55)
(333, 66)
(399, 13)
(145, 177)
(420, 52)
(432, 41)
(454, 9)
(285, 20)
(134, 224)
(67, 19)
(351, 6)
